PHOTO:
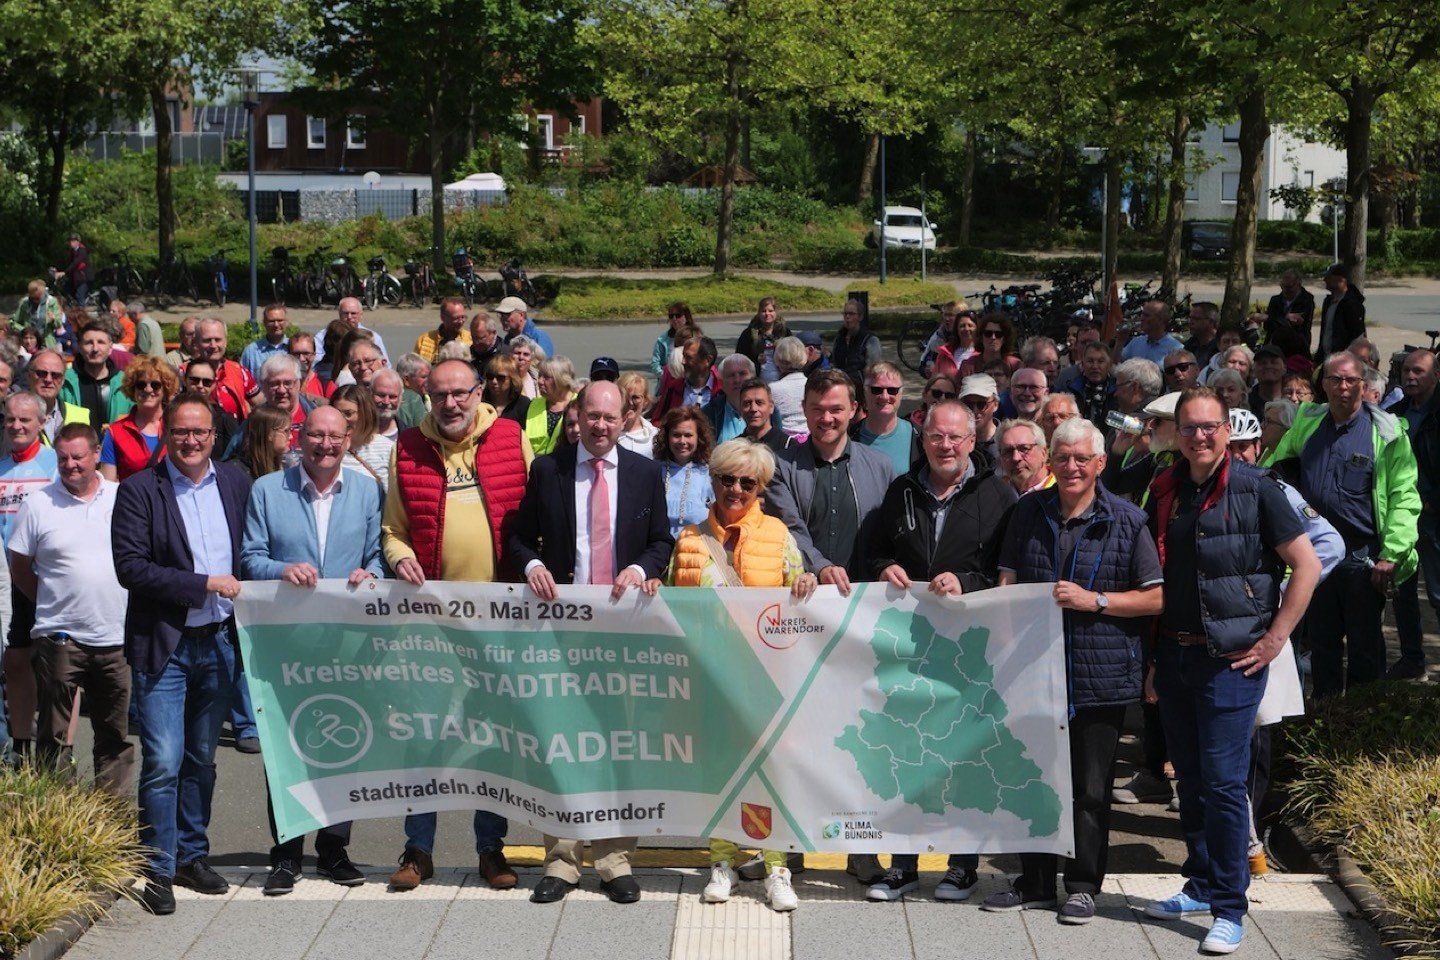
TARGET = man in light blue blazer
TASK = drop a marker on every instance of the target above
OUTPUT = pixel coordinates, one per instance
(304, 524)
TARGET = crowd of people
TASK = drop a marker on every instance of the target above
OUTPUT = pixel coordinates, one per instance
(140, 488)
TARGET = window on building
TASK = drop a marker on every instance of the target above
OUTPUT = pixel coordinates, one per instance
(276, 133)
(315, 133)
(1231, 133)
(1192, 192)
(355, 133)
(1229, 187)
(577, 129)
(547, 130)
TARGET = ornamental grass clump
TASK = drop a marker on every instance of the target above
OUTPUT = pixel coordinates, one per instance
(1363, 771)
(65, 849)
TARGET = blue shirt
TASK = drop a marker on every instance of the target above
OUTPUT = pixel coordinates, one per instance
(897, 444)
(731, 425)
(1154, 351)
(1337, 476)
(203, 513)
(258, 352)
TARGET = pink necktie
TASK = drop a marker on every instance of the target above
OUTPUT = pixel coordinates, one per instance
(602, 564)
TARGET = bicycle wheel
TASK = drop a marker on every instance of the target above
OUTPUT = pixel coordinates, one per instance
(187, 287)
(160, 291)
(369, 293)
(131, 283)
(311, 287)
(221, 294)
(910, 345)
(467, 290)
(277, 289)
(390, 290)
(527, 292)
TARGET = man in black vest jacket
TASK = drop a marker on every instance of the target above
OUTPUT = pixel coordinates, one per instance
(1226, 533)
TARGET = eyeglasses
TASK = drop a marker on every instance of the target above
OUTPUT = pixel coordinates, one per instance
(299, 354)
(676, 316)
(976, 403)
(747, 484)
(993, 334)
(154, 385)
(200, 381)
(366, 361)
(1334, 381)
(319, 437)
(1028, 387)
(1021, 448)
(191, 433)
(501, 377)
(47, 374)
(1178, 367)
(283, 384)
(1209, 428)
(1079, 459)
(954, 439)
(440, 396)
(877, 390)
(943, 394)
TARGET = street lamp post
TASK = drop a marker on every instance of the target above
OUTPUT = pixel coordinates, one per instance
(250, 96)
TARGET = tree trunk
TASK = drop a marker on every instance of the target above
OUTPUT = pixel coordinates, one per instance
(1389, 213)
(164, 195)
(55, 140)
(1057, 189)
(1254, 131)
(1359, 110)
(437, 194)
(1114, 165)
(732, 158)
(1416, 165)
(867, 172)
(967, 189)
(1175, 202)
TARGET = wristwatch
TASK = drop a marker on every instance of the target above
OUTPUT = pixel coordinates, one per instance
(1102, 603)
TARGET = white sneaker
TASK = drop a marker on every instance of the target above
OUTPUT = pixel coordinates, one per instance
(779, 891)
(722, 879)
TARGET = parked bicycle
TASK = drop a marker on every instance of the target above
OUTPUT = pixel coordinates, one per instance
(465, 278)
(121, 276)
(310, 281)
(514, 282)
(380, 286)
(172, 282)
(219, 277)
(283, 282)
(341, 281)
(422, 279)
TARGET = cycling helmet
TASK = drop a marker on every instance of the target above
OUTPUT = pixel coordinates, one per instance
(1244, 425)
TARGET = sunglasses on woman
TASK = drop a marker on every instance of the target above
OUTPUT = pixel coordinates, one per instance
(747, 484)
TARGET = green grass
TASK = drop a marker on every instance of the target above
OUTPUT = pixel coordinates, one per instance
(614, 298)
(64, 849)
(1363, 771)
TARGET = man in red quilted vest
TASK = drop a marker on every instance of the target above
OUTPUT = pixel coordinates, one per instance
(454, 486)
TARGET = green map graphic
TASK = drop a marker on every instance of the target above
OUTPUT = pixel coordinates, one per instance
(941, 742)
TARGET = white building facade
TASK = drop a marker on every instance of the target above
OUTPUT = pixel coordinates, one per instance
(1287, 160)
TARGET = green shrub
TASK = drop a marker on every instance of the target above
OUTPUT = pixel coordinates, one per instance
(66, 848)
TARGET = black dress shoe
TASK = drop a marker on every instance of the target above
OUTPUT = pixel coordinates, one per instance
(624, 889)
(341, 871)
(198, 876)
(157, 898)
(550, 890)
(247, 744)
(281, 879)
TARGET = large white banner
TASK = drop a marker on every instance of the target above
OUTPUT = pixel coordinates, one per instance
(885, 721)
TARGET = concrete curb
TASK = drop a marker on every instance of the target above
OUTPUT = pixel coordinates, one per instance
(57, 941)
(1393, 928)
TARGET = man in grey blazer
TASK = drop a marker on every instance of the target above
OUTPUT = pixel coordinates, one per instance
(303, 524)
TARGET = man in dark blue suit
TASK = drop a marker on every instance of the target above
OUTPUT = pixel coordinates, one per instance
(176, 542)
(592, 514)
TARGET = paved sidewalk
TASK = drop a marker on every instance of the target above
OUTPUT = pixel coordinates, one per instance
(1292, 917)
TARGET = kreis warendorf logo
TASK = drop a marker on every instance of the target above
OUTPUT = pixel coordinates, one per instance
(781, 632)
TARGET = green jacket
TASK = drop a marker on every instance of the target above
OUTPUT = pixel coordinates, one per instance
(1396, 497)
(119, 403)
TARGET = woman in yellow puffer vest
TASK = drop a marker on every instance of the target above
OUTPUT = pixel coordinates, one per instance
(738, 545)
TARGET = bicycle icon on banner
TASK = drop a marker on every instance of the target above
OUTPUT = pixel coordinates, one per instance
(330, 731)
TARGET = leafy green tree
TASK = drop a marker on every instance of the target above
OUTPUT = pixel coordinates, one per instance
(446, 72)
(676, 67)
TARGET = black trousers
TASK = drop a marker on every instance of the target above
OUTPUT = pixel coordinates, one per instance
(1094, 737)
(330, 842)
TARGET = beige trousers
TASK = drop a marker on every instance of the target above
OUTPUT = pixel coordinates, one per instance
(612, 857)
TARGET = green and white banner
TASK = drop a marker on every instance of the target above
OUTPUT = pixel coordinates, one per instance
(885, 721)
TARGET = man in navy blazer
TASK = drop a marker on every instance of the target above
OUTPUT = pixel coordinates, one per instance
(176, 541)
(306, 523)
(554, 542)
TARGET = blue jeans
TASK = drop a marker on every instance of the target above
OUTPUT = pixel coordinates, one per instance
(489, 832)
(1209, 716)
(181, 711)
(1407, 595)
(242, 712)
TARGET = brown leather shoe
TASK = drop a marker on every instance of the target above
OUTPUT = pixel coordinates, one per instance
(496, 870)
(415, 869)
